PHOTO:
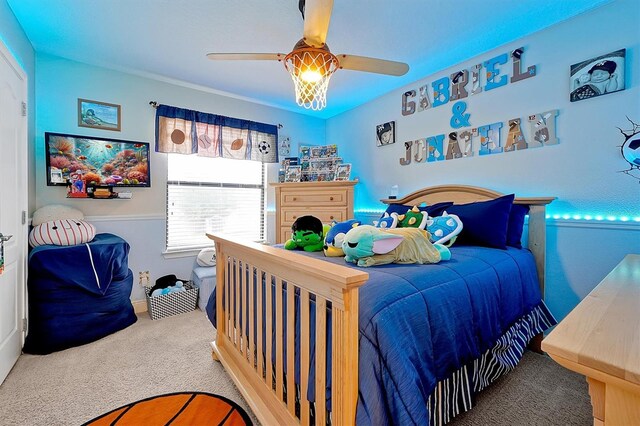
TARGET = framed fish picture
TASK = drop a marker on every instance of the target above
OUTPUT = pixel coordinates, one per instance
(98, 115)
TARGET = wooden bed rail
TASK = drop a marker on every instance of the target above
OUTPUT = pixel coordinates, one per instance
(240, 348)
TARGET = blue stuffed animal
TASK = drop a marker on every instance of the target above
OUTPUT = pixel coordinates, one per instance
(334, 237)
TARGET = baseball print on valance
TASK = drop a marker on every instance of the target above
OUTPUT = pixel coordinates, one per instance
(185, 131)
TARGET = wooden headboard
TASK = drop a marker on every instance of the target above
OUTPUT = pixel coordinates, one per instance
(462, 194)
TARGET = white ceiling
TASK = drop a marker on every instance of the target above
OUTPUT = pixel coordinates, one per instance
(170, 38)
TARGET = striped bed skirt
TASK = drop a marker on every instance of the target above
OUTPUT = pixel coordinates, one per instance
(456, 394)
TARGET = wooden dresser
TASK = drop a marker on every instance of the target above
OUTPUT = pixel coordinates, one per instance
(325, 200)
(600, 338)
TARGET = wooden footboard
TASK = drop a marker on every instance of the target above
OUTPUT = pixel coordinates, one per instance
(242, 268)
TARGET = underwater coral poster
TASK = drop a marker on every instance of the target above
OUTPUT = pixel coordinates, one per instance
(98, 115)
(96, 161)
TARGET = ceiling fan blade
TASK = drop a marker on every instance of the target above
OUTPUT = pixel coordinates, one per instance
(317, 14)
(379, 66)
(246, 56)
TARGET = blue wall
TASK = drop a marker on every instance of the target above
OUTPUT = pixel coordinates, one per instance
(12, 35)
(583, 170)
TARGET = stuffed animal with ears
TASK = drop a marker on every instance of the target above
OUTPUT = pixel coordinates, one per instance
(367, 245)
(307, 234)
(335, 235)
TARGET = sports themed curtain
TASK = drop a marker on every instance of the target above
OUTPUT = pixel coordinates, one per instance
(184, 131)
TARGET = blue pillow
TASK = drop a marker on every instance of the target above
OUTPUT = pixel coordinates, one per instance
(484, 223)
(433, 210)
(516, 224)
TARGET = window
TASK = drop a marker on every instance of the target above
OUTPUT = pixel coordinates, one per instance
(213, 195)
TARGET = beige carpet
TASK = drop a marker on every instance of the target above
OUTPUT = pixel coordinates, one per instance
(148, 358)
(173, 354)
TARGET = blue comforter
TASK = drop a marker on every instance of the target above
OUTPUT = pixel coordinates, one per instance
(420, 323)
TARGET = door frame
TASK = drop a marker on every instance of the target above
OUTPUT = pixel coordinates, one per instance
(24, 199)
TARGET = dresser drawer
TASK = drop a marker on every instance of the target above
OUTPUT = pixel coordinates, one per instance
(288, 216)
(337, 197)
(285, 234)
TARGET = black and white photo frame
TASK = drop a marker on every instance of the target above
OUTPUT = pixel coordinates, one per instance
(597, 76)
(386, 133)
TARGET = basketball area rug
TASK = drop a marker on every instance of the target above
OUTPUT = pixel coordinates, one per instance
(177, 409)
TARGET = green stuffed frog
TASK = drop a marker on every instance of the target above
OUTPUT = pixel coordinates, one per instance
(307, 234)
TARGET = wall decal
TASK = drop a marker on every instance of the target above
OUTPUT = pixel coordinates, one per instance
(475, 79)
(597, 76)
(543, 129)
(459, 80)
(453, 147)
(435, 148)
(284, 146)
(423, 99)
(386, 133)
(440, 91)
(420, 155)
(515, 138)
(489, 138)
(540, 132)
(407, 154)
(518, 75)
(630, 149)
(493, 72)
(454, 87)
(459, 118)
(408, 107)
(466, 139)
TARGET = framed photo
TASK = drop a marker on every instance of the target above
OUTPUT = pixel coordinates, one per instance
(98, 115)
(343, 171)
(292, 174)
(386, 133)
(597, 76)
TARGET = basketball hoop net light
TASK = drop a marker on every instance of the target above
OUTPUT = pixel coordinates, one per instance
(310, 69)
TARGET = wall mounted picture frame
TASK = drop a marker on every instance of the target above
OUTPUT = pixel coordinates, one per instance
(98, 115)
(386, 133)
(597, 76)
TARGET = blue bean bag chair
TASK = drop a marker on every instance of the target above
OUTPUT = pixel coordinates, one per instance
(78, 294)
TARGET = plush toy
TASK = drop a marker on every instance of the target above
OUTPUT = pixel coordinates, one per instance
(178, 287)
(64, 232)
(388, 221)
(368, 246)
(307, 234)
(443, 229)
(413, 218)
(334, 237)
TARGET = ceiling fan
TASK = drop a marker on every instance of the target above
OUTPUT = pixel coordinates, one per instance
(311, 63)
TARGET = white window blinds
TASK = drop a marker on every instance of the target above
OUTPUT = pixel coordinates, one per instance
(213, 195)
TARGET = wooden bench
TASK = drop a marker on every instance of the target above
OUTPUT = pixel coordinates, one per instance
(600, 338)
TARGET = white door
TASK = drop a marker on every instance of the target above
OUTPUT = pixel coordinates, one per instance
(13, 206)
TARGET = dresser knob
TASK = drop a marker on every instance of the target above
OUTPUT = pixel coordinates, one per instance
(294, 217)
(330, 198)
(294, 198)
(330, 217)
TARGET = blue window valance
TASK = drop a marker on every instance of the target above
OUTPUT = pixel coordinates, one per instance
(184, 131)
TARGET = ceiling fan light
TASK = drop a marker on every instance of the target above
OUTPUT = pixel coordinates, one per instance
(311, 70)
(310, 76)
